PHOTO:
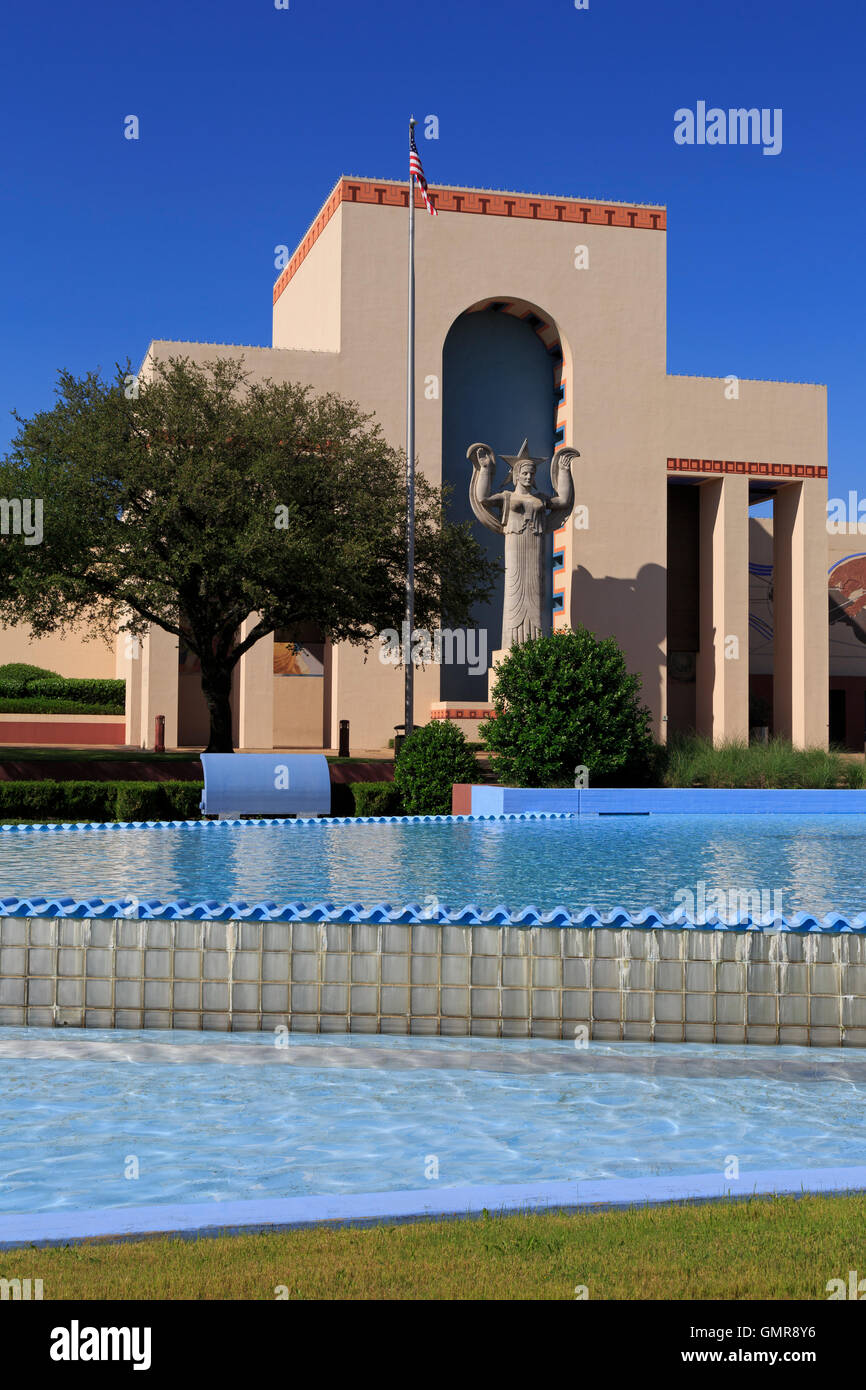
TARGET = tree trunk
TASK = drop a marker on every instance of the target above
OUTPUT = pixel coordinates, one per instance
(216, 685)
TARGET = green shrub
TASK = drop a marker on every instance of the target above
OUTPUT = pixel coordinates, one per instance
(28, 799)
(106, 695)
(81, 801)
(563, 702)
(854, 774)
(696, 762)
(32, 704)
(157, 800)
(431, 760)
(47, 800)
(139, 801)
(377, 799)
(21, 673)
(90, 692)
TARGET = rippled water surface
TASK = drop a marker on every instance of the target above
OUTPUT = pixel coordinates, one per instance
(814, 864)
(216, 1117)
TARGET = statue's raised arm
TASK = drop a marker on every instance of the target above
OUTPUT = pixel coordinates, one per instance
(562, 486)
(480, 495)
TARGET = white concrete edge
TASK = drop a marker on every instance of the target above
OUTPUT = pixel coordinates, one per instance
(195, 1220)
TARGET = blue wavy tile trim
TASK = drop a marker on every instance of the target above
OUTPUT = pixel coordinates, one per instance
(470, 915)
(311, 822)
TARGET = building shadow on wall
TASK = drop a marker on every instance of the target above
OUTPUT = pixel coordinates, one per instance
(634, 611)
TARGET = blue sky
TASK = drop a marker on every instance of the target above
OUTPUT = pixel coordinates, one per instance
(248, 115)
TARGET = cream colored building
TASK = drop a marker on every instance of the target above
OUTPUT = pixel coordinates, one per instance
(545, 317)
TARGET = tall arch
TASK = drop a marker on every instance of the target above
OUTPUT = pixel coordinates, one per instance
(502, 382)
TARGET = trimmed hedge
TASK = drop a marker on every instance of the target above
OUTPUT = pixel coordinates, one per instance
(47, 800)
(32, 704)
(158, 800)
(109, 694)
(377, 799)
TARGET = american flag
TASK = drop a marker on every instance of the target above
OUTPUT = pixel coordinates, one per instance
(417, 172)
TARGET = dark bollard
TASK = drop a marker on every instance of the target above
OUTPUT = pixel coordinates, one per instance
(399, 737)
(344, 738)
(159, 734)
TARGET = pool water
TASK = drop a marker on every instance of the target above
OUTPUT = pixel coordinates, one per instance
(206, 1117)
(810, 863)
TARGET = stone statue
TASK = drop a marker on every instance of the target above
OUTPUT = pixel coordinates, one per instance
(525, 517)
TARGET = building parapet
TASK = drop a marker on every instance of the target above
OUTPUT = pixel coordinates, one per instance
(478, 201)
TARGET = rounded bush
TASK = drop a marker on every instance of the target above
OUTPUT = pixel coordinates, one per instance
(21, 672)
(564, 703)
(431, 760)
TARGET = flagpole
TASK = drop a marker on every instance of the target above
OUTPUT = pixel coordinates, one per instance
(409, 714)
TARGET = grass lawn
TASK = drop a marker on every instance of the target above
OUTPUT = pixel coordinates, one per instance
(110, 754)
(775, 1248)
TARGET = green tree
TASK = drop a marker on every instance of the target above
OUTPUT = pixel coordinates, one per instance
(431, 760)
(197, 498)
(564, 702)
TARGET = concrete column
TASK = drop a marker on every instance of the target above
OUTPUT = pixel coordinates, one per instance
(800, 633)
(159, 686)
(128, 668)
(334, 697)
(722, 695)
(255, 691)
(328, 695)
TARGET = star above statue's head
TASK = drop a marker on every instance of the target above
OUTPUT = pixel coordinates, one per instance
(516, 461)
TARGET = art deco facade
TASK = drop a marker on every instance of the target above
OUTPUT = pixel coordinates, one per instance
(546, 317)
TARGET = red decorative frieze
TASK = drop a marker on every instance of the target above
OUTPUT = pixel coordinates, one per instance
(455, 713)
(480, 201)
(753, 470)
